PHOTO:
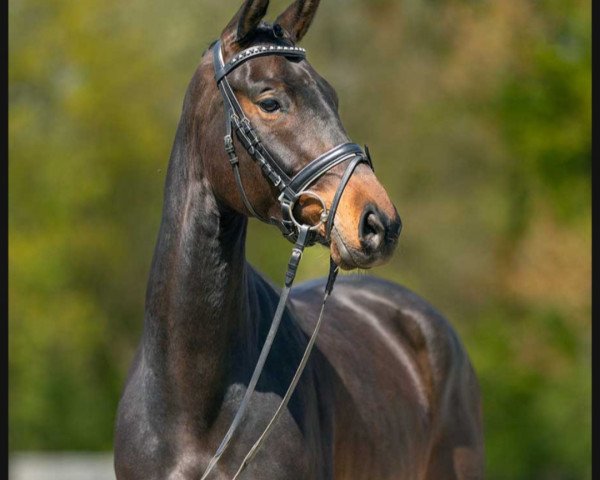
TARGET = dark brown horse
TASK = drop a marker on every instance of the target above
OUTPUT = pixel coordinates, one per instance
(388, 393)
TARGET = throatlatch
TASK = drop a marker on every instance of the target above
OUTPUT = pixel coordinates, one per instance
(291, 188)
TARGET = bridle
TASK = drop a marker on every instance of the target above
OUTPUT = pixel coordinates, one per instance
(291, 189)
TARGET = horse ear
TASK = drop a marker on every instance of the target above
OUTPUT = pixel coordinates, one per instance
(245, 21)
(298, 17)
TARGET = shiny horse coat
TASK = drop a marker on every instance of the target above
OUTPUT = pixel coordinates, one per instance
(388, 393)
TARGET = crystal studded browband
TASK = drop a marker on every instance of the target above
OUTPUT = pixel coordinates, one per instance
(258, 51)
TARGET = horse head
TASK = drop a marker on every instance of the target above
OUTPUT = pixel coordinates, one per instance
(293, 113)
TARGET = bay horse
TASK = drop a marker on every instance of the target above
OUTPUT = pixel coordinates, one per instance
(389, 391)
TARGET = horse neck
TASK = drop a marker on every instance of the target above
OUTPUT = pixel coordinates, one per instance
(197, 296)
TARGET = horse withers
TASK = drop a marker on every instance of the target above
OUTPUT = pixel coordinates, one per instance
(388, 393)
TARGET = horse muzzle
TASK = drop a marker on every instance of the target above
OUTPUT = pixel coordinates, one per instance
(377, 239)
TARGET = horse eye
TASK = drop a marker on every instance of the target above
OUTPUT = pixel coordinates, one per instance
(270, 105)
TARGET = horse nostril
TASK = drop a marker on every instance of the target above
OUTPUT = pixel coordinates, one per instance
(371, 230)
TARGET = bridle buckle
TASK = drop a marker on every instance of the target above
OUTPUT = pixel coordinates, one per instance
(230, 149)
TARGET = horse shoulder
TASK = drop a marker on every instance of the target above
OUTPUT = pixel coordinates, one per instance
(390, 314)
(395, 354)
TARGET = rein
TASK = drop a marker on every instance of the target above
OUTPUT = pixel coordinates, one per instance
(291, 189)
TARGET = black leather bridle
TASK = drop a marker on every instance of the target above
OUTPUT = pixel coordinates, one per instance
(291, 189)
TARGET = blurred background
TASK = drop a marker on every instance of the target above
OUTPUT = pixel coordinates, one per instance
(478, 116)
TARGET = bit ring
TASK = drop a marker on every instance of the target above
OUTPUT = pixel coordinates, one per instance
(308, 193)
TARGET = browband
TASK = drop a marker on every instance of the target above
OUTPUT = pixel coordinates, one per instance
(258, 51)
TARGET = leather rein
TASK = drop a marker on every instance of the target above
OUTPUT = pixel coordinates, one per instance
(291, 189)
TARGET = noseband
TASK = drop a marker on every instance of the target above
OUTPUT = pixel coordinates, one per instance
(291, 189)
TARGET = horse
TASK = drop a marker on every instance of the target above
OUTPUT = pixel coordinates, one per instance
(388, 392)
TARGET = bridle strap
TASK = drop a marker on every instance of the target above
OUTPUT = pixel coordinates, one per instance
(266, 348)
(235, 165)
(333, 271)
(338, 193)
(235, 118)
(319, 166)
(250, 141)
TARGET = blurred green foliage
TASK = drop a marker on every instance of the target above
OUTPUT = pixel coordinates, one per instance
(478, 115)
